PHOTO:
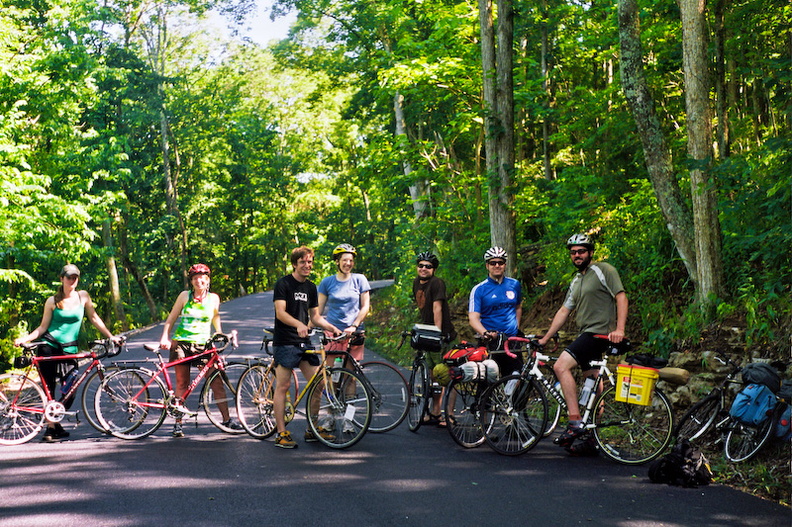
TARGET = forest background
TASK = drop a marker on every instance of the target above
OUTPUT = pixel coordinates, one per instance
(135, 140)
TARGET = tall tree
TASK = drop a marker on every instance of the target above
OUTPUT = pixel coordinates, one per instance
(699, 127)
(657, 153)
(497, 62)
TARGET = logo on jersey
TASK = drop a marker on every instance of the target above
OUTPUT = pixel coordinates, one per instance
(510, 295)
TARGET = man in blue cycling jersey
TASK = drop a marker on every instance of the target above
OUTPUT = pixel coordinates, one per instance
(496, 307)
(598, 298)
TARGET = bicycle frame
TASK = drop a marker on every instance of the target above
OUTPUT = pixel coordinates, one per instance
(53, 412)
(215, 360)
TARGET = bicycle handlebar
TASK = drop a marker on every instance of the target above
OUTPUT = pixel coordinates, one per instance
(531, 340)
(108, 345)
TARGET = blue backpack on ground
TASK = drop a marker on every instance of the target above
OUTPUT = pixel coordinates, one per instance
(753, 405)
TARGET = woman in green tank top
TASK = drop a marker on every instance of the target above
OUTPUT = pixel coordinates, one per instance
(60, 328)
(194, 313)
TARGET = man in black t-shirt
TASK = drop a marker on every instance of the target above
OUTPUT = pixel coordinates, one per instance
(296, 304)
(429, 293)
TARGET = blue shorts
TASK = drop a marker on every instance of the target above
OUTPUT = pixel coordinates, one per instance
(587, 348)
(290, 356)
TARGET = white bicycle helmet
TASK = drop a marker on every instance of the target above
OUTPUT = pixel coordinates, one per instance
(343, 248)
(495, 252)
(580, 239)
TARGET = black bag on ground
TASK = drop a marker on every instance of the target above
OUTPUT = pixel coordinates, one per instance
(684, 466)
(762, 373)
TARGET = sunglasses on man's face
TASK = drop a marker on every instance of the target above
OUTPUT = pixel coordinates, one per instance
(496, 263)
(425, 266)
(573, 252)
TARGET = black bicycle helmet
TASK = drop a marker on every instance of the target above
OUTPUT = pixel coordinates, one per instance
(427, 256)
(580, 239)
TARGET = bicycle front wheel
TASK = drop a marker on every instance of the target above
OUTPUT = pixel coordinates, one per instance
(90, 388)
(218, 396)
(254, 402)
(699, 418)
(513, 416)
(744, 441)
(461, 412)
(339, 414)
(419, 395)
(130, 403)
(389, 393)
(22, 404)
(629, 433)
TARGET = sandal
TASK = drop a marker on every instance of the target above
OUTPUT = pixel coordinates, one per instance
(441, 422)
(431, 419)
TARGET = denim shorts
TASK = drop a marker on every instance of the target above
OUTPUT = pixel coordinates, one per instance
(290, 356)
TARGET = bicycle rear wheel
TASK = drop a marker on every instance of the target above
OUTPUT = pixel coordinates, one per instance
(213, 404)
(254, 403)
(22, 404)
(461, 412)
(91, 386)
(699, 418)
(343, 408)
(420, 394)
(744, 441)
(513, 424)
(389, 393)
(629, 433)
(554, 409)
(127, 407)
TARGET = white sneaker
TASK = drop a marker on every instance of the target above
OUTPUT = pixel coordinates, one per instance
(349, 428)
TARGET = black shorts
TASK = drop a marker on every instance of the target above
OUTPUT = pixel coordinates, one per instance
(54, 370)
(587, 348)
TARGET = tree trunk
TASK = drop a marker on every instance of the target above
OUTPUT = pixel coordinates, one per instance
(723, 140)
(699, 125)
(499, 121)
(419, 191)
(112, 277)
(132, 269)
(548, 168)
(673, 206)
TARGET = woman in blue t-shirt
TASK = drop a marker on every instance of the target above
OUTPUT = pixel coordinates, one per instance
(344, 300)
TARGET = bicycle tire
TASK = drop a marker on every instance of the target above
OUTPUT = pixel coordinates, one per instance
(343, 410)
(127, 407)
(744, 441)
(254, 403)
(461, 412)
(514, 423)
(389, 393)
(22, 403)
(419, 395)
(629, 433)
(90, 387)
(699, 418)
(229, 377)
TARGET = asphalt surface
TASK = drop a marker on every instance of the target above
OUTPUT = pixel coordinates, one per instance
(398, 478)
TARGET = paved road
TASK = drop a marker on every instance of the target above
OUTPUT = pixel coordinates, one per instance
(399, 478)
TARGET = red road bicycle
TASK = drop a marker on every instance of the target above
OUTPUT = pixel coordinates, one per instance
(132, 403)
(26, 403)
